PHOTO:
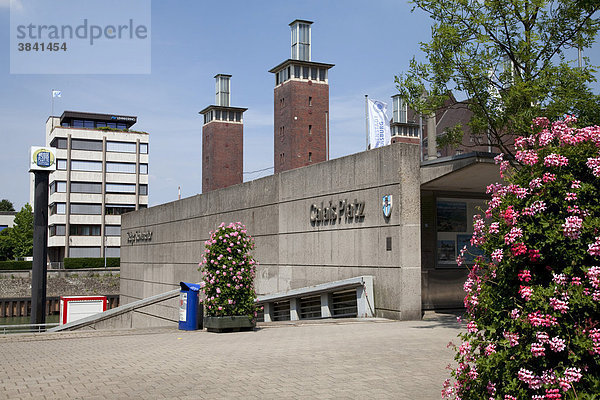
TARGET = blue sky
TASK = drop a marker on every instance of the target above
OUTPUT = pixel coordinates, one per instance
(369, 43)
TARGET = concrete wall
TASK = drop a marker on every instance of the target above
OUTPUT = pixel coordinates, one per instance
(294, 252)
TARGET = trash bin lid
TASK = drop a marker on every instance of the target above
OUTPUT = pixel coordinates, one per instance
(190, 286)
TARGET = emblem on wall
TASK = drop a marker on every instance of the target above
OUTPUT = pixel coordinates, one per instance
(387, 205)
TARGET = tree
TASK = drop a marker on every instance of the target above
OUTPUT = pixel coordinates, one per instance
(6, 245)
(533, 300)
(21, 234)
(508, 59)
(6, 205)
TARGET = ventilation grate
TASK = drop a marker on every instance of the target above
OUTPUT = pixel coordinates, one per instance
(344, 304)
(310, 307)
(281, 311)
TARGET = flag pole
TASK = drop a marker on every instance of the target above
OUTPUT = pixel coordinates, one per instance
(367, 120)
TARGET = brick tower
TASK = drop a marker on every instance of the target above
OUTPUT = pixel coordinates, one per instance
(222, 140)
(301, 117)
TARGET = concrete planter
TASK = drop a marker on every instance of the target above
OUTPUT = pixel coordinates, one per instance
(229, 324)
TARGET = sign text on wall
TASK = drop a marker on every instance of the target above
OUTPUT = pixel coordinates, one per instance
(332, 211)
(134, 237)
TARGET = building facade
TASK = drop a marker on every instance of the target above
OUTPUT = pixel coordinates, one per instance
(222, 140)
(102, 173)
(301, 105)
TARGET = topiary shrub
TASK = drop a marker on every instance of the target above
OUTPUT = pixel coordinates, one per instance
(533, 326)
(228, 273)
(15, 265)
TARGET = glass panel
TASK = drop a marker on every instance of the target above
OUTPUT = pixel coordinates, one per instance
(231, 115)
(86, 209)
(297, 71)
(77, 123)
(305, 72)
(112, 230)
(121, 126)
(120, 187)
(111, 125)
(61, 164)
(144, 169)
(118, 209)
(79, 252)
(86, 187)
(143, 190)
(322, 74)
(217, 114)
(61, 208)
(121, 147)
(238, 116)
(88, 124)
(143, 148)
(100, 124)
(113, 251)
(126, 168)
(92, 166)
(61, 143)
(61, 187)
(313, 73)
(81, 144)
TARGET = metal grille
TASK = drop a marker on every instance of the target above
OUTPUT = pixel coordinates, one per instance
(310, 307)
(281, 311)
(344, 304)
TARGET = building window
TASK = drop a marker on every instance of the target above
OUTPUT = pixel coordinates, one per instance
(322, 74)
(281, 158)
(143, 148)
(310, 129)
(58, 186)
(121, 147)
(57, 230)
(113, 251)
(143, 169)
(61, 165)
(305, 72)
(84, 230)
(88, 124)
(86, 187)
(313, 73)
(297, 71)
(58, 208)
(112, 230)
(77, 123)
(310, 101)
(143, 190)
(309, 156)
(400, 110)
(59, 143)
(120, 188)
(124, 168)
(118, 209)
(88, 166)
(80, 252)
(86, 209)
(82, 144)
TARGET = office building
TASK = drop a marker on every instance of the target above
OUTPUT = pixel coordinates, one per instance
(101, 173)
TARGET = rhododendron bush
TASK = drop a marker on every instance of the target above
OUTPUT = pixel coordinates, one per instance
(228, 272)
(533, 326)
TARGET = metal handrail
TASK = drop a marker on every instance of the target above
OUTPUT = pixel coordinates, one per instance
(26, 328)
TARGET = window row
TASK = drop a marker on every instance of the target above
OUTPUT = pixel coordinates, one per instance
(93, 252)
(85, 230)
(300, 72)
(84, 123)
(92, 209)
(411, 131)
(96, 145)
(222, 115)
(96, 166)
(93, 187)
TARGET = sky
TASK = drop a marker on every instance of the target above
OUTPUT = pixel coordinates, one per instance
(191, 41)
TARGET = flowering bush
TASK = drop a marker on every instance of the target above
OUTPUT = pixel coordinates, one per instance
(532, 301)
(228, 272)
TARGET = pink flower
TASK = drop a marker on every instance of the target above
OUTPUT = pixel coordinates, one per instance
(527, 157)
(490, 349)
(524, 275)
(494, 227)
(548, 177)
(594, 165)
(559, 305)
(570, 196)
(557, 344)
(472, 327)
(594, 248)
(555, 160)
(573, 374)
(513, 235)
(518, 249)
(537, 349)
(572, 227)
(525, 292)
(497, 255)
(542, 337)
(515, 313)
(513, 338)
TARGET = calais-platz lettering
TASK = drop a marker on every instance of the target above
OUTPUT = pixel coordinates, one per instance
(332, 211)
(133, 237)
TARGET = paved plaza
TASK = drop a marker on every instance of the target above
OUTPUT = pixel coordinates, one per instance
(342, 359)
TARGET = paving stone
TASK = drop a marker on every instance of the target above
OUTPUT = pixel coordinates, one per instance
(374, 359)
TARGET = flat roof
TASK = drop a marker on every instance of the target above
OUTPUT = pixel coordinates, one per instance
(69, 116)
(227, 108)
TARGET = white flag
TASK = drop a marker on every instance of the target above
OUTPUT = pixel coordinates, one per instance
(379, 124)
(56, 93)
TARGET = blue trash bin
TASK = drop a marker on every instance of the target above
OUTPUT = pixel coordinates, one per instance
(190, 312)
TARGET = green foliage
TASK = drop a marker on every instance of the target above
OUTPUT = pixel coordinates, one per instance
(91, 262)
(21, 234)
(15, 265)
(6, 246)
(508, 58)
(533, 301)
(228, 272)
(6, 205)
